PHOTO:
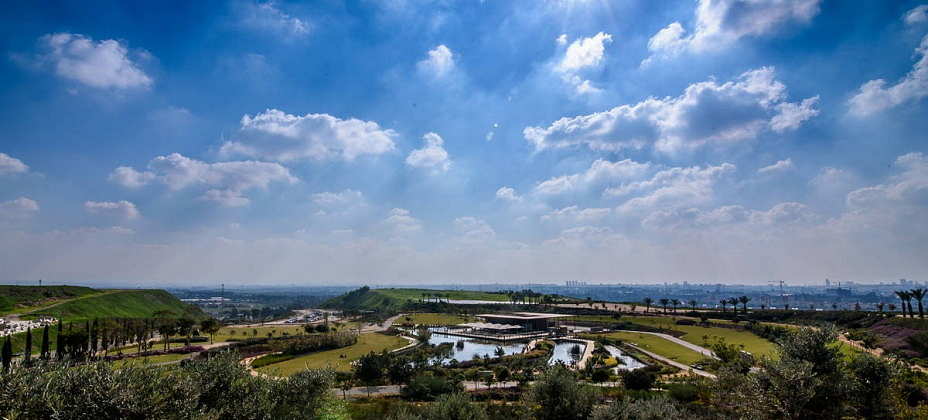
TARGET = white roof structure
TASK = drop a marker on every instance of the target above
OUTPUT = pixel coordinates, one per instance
(489, 326)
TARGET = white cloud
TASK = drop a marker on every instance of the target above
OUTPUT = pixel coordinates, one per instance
(507, 194)
(674, 187)
(103, 64)
(122, 209)
(918, 14)
(907, 189)
(576, 215)
(226, 182)
(720, 23)
(780, 166)
(582, 55)
(401, 222)
(733, 216)
(10, 165)
(439, 63)
(474, 230)
(268, 17)
(874, 96)
(343, 199)
(432, 156)
(275, 135)
(19, 208)
(831, 179)
(600, 172)
(561, 39)
(706, 113)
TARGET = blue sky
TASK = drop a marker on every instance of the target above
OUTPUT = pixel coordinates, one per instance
(385, 142)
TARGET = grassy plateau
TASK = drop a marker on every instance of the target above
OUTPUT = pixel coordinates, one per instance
(373, 342)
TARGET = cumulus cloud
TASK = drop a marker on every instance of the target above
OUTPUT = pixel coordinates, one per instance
(673, 187)
(574, 215)
(439, 63)
(19, 208)
(474, 230)
(875, 96)
(908, 188)
(226, 182)
(831, 179)
(507, 194)
(720, 23)
(268, 17)
(432, 156)
(779, 216)
(10, 165)
(342, 199)
(100, 64)
(780, 166)
(276, 135)
(581, 56)
(400, 222)
(918, 15)
(706, 113)
(600, 172)
(121, 209)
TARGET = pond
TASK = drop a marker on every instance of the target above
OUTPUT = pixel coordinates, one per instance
(563, 353)
(626, 362)
(464, 349)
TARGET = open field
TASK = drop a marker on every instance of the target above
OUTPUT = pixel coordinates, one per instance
(434, 319)
(659, 346)
(698, 335)
(21, 299)
(121, 304)
(367, 343)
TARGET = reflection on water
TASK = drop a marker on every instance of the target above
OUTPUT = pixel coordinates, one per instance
(626, 362)
(563, 353)
(463, 349)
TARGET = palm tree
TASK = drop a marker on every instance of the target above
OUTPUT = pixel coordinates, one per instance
(692, 304)
(734, 304)
(744, 301)
(879, 307)
(919, 294)
(723, 302)
(647, 303)
(674, 302)
(664, 302)
(904, 297)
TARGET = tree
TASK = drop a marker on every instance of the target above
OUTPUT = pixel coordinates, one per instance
(744, 301)
(456, 406)
(559, 396)
(210, 326)
(674, 302)
(692, 304)
(6, 355)
(919, 295)
(185, 328)
(166, 330)
(647, 304)
(43, 353)
(27, 351)
(664, 302)
(369, 370)
(734, 304)
(903, 296)
(657, 408)
(723, 302)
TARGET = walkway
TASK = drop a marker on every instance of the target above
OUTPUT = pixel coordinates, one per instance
(698, 349)
(674, 363)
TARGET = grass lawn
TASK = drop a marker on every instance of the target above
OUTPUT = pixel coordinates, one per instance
(417, 294)
(120, 304)
(752, 343)
(434, 319)
(659, 346)
(151, 359)
(331, 358)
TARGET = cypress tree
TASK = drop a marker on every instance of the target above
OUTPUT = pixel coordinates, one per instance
(44, 352)
(7, 354)
(59, 352)
(27, 353)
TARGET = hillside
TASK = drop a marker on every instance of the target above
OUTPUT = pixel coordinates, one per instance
(121, 304)
(366, 298)
(19, 299)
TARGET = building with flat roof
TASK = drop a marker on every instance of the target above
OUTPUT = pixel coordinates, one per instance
(529, 321)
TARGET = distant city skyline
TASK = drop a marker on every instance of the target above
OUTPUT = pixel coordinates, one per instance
(395, 142)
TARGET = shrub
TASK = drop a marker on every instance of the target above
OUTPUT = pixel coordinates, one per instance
(638, 379)
(428, 387)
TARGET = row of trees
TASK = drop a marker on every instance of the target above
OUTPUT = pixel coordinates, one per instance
(664, 302)
(906, 297)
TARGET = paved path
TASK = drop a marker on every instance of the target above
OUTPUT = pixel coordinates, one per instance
(698, 349)
(674, 363)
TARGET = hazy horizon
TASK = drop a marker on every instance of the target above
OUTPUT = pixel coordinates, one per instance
(395, 142)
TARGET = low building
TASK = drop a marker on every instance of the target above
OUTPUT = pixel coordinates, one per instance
(528, 321)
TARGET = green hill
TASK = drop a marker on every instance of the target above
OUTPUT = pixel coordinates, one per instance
(121, 304)
(366, 298)
(20, 299)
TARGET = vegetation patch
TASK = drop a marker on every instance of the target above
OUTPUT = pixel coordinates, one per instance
(337, 359)
(25, 298)
(122, 304)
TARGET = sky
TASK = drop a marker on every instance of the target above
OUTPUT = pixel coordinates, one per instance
(466, 142)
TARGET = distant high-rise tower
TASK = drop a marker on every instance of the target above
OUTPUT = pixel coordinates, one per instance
(827, 283)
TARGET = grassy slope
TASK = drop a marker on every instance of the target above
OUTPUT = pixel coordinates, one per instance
(434, 319)
(121, 304)
(19, 299)
(416, 294)
(367, 343)
(660, 346)
(374, 299)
